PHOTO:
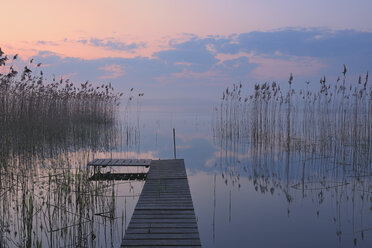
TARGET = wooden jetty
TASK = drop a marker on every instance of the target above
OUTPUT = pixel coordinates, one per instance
(164, 215)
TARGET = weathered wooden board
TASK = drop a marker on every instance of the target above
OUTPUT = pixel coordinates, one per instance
(164, 215)
(150, 236)
(161, 242)
(117, 176)
(162, 225)
(161, 230)
(119, 162)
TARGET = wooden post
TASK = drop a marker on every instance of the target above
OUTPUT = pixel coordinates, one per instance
(174, 142)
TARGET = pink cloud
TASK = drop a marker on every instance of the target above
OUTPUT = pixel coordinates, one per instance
(278, 68)
(183, 63)
(113, 71)
(211, 77)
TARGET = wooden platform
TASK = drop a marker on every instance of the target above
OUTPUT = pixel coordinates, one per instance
(164, 215)
(118, 176)
(99, 162)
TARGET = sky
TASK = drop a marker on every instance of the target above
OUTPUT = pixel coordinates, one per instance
(181, 51)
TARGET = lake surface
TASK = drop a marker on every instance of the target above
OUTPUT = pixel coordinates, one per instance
(244, 195)
(262, 196)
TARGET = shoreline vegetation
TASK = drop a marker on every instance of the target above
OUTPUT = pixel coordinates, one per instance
(36, 114)
(302, 144)
(337, 116)
(336, 113)
(328, 127)
(49, 130)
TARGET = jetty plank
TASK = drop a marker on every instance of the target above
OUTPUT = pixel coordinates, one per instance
(161, 230)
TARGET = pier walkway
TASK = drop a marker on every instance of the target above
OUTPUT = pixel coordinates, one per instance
(164, 215)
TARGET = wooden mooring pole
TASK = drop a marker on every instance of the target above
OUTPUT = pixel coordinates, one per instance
(174, 142)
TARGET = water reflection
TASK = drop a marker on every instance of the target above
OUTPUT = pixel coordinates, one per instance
(46, 198)
(246, 192)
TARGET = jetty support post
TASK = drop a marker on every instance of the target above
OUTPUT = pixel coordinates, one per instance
(174, 143)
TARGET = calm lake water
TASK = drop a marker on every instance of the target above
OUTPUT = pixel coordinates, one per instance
(262, 196)
(244, 195)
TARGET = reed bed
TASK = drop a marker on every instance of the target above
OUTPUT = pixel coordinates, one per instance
(35, 114)
(48, 133)
(335, 118)
(331, 124)
(302, 143)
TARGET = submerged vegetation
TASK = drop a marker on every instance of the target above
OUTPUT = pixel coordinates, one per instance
(302, 143)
